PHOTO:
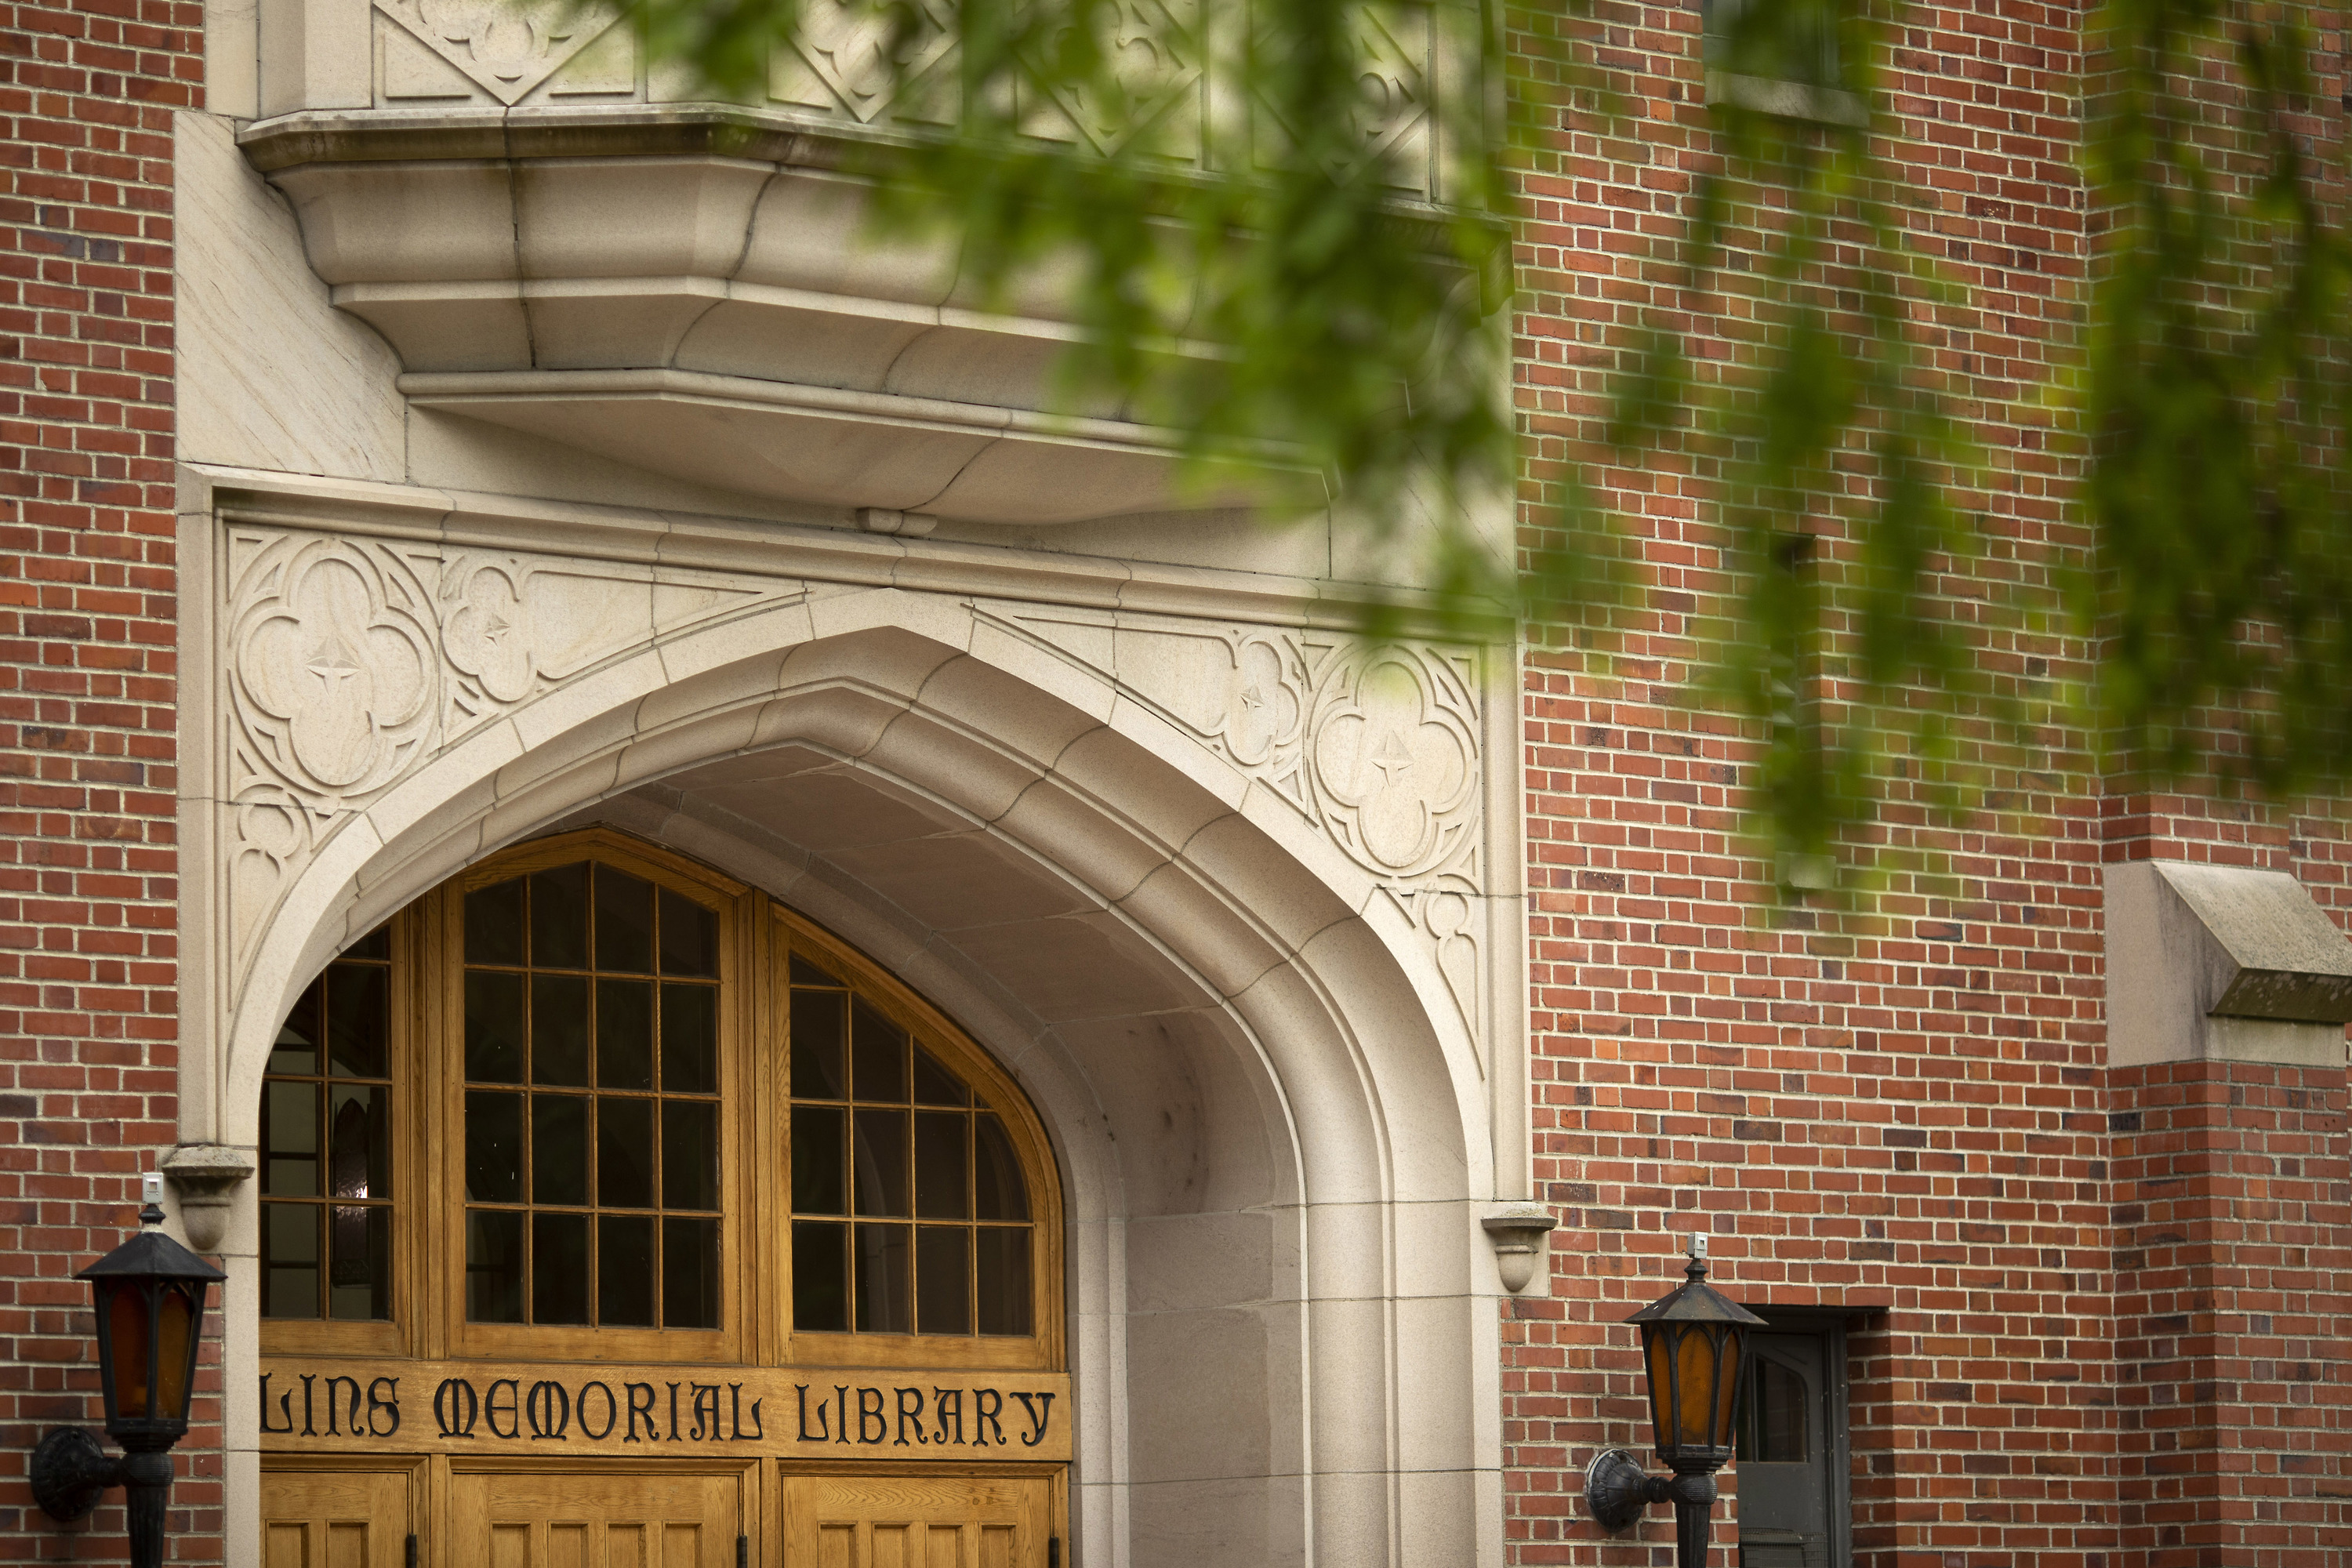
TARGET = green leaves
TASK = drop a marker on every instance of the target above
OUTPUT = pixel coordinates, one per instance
(1287, 230)
(2216, 402)
(1783, 368)
(1282, 227)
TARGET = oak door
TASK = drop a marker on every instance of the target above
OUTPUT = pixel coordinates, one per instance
(334, 1519)
(587, 1520)
(911, 1521)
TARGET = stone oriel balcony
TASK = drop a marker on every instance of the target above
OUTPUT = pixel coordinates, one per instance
(697, 290)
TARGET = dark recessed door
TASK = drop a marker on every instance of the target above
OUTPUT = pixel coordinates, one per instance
(1787, 1442)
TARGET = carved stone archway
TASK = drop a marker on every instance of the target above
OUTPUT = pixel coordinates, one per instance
(1285, 837)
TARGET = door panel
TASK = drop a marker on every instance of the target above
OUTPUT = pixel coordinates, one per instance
(892, 1522)
(1788, 1440)
(585, 1519)
(334, 1519)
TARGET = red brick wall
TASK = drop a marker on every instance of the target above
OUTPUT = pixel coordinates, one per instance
(2233, 1194)
(87, 1060)
(2233, 1272)
(1894, 1096)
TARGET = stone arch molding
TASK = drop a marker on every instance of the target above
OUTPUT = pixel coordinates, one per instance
(1299, 823)
(382, 692)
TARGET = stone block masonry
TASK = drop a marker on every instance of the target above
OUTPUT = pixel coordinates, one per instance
(88, 1055)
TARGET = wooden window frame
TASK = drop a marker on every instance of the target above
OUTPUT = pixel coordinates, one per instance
(445, 1070)
(991, 1088)
(377, 1337)
(427, 1046)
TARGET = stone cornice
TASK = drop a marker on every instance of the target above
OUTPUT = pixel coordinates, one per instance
(768, 549)
(636, 129)
(768, 135)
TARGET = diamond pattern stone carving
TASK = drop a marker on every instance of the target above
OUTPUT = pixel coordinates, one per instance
(505, 48)
(1396, 43)
(1154, 54)
(844, 57)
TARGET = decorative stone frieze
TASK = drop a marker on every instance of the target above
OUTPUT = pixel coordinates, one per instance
(355, 659)
(351, 661)
(507, 50)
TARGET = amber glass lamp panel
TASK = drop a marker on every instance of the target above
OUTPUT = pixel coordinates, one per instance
(918, 1227)
(1693, 1385)
(329, 1159)
(590, 1132)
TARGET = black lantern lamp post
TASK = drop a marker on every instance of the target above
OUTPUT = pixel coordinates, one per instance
(1694, 1351)
(148, 1294)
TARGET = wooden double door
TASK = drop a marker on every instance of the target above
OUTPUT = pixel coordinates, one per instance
(652, 1516)
(614, 1214)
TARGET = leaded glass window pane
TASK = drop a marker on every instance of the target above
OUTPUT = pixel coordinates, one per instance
(883, 1132)
(592, 1159)
(327, 1145)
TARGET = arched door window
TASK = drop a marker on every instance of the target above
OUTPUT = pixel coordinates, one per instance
(910, 1213)
(924, 1215)
(591, 1100)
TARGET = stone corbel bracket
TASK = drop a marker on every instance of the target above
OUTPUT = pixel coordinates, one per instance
(2224, 964)
(1517, 1232)
(205, 1176)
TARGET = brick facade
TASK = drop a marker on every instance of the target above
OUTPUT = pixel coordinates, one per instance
(2082, 1302)
(88, 1059)
(2094, 1310)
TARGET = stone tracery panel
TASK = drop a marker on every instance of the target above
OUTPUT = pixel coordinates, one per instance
(351, 661)
(867, 62)
(1377, 745)
(335, 677)
(1395, 756)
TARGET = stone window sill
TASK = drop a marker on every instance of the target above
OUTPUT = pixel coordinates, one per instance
(1787, 100)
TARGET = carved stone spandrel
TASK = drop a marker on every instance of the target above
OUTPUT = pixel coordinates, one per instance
(505, 48)
(1377, 743)
(354, 662)
(1451, 917)
(1394, 752)
(335, 668)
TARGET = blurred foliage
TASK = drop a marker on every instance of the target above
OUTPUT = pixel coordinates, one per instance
(1282, 277)
(1279, 278)
(2216, 402)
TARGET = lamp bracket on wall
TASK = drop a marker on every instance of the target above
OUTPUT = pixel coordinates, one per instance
(1617, 1489)
(69, 1472)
